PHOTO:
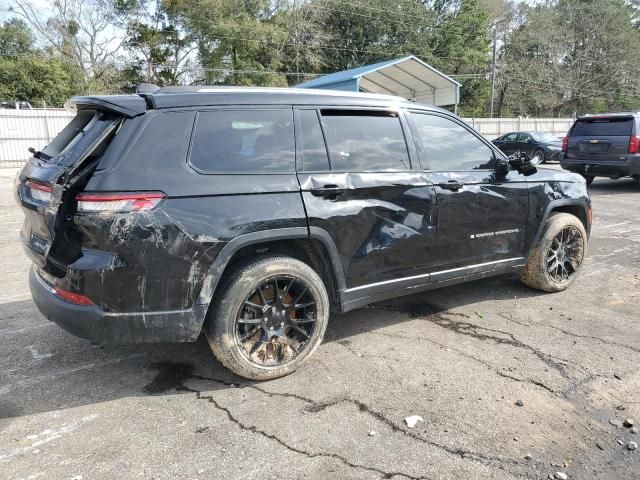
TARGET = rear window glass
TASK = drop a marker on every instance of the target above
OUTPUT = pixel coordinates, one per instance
(603, 127)
(365, 141)
(244, 141)
(70, 134)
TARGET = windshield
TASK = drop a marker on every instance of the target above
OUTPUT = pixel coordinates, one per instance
(545, 137)
(593, 127)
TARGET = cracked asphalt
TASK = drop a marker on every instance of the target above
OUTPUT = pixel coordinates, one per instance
(460, 358)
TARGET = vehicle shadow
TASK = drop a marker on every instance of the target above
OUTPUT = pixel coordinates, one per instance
(45, 369)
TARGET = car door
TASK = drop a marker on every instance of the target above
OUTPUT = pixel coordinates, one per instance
(526, 143)
(363, 193)
(481, 211)
(507, 143)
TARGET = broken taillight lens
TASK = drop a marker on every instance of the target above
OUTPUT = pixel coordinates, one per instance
(39, 191)
(74, 298)
(118, 202)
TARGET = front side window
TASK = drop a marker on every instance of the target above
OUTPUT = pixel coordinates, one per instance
(446, 145)
(510, 138)
(524, 138)
(365, 141)
(244, 141)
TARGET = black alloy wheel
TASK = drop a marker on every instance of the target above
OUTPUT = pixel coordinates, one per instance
(565, 254)
(276, 321)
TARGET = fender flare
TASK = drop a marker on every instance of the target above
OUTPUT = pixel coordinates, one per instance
(573, 202)
(227, 252)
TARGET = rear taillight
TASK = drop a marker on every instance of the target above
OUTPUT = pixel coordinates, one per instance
(118, 202)
(74, 298)
(634, 144)
(39, 191)
(565, 144)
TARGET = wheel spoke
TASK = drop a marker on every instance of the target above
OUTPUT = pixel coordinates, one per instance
(256, 346)
(286, 289)
(249, 333)
(298, 321)
(300, 331)
(298, 306)
(250, 321)
(253, 305)
(304, 290)
(275, 291)
(260, 294)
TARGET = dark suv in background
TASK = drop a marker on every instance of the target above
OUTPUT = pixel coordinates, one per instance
(606, 145)
(250, 214)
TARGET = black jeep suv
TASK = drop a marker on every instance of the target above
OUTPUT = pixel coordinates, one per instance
(250, 214)
(606, 145)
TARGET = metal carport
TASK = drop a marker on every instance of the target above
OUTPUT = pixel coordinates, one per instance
(407, 77)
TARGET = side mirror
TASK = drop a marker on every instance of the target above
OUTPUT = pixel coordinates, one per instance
(521, 162)
(502, 165)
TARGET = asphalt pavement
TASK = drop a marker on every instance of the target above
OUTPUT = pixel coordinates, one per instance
(510, 383)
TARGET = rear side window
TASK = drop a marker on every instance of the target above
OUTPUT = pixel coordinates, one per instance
(244, 141)
(594, 127)
(447, 145)
(314, 151)
(164, 142)
(365, 141)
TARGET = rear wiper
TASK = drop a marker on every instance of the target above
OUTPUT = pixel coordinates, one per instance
(34, 152)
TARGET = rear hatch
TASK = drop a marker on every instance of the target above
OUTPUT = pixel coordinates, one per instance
(47, 185)
(601, 138)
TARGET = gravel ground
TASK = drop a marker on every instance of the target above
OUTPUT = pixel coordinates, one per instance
(462, 358)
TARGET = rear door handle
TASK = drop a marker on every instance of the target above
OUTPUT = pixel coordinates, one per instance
(452, 185)
(329, 191)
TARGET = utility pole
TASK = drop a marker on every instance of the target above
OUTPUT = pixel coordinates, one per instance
(493, 67)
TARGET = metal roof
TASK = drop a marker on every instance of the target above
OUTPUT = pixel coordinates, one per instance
(407, 77)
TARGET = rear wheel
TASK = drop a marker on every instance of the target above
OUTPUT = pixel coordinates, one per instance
(558, 256)
(269, 316)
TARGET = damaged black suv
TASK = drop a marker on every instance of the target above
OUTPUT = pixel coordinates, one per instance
(251, 214)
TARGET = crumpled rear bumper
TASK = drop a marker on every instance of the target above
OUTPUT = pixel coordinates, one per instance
(98, 326)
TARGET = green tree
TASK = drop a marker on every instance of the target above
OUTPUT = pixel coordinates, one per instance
(29, 74)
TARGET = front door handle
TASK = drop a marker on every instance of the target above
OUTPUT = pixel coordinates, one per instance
(452, 185)
(327, 191)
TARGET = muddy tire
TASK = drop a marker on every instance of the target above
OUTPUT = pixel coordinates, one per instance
(558, 256)
(269, 315)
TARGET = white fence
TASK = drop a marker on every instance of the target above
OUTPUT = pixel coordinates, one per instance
(21, 129)
(494, 127)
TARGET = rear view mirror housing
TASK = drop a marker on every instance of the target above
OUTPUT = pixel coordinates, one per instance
(521, 162)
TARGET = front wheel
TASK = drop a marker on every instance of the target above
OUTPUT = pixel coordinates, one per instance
(539, 154)
(555, 261)
(268, 317)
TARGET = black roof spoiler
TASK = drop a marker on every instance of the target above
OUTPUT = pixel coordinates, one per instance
(126, 105)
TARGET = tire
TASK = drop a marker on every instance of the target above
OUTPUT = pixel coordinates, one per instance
(539, 272)
(540, 153)
(589, 179)
(238, 300)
